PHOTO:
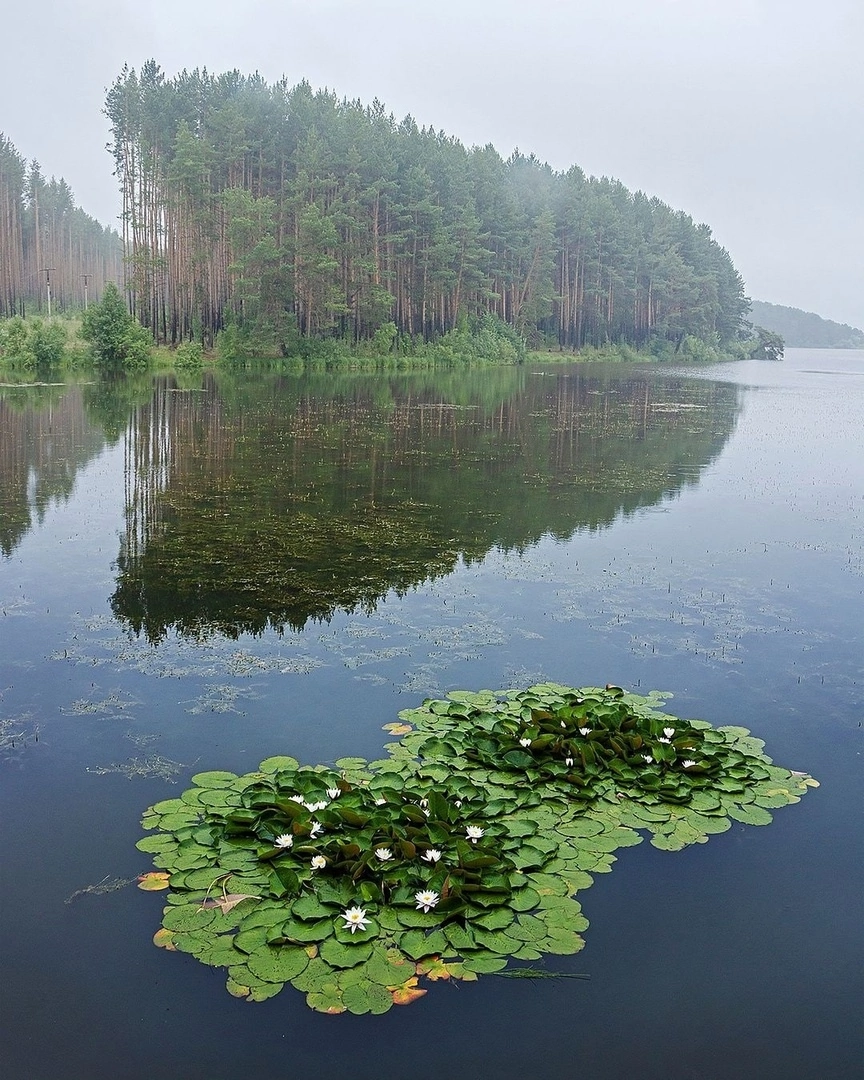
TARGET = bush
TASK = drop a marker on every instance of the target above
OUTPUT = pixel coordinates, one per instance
(188, 355)
(14, 348)
(116, 338)
(485, 340)
(47, 342)
(34, 343)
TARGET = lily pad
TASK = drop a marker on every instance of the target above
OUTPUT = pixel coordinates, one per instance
(262, 869)
(340, 955)
(277, 964)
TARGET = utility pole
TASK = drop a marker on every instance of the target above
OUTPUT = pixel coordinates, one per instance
(46, 270)
(85, 276)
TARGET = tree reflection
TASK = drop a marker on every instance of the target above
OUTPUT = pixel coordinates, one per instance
(269, 502)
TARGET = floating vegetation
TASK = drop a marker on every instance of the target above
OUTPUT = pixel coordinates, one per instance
(141, 740)
(220, 699)
(113, 705)
(14, 735)
(151, 765)
(538, 973)
(461, 850)
(106, 885)
(377, 656)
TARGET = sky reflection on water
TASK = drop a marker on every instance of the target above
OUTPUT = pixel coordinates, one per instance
(721, 562)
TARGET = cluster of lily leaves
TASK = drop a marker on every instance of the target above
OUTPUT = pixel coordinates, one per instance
(460, 851)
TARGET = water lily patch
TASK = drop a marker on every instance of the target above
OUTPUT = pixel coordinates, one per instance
(460, 851)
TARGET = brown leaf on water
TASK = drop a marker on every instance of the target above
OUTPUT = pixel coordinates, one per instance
(434, 968)
(406, 993)
(311, 951)
(164, 939)
(228, 901)
(397, 729)
(153, 882)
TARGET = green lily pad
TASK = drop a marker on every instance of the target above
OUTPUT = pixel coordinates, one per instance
(416, 944)
(340, 955)
(215, 778)
(484, 963)
(295, 930)
(547, 828)
(368, 998)
(263, 991)
(277, 964)
(279, 764)
(188, 917)
(327, 1001)
(751, 814)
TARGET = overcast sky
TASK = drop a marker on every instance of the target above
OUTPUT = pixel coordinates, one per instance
(747, 114)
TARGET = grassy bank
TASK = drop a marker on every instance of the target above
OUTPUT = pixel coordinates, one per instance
(36, 348)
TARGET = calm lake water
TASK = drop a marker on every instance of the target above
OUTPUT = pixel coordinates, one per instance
(199, 577)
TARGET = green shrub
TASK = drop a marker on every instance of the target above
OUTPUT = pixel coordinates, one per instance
(116, 338)
(14, 347)
(32, 343)
(188, 355)
(47, 342)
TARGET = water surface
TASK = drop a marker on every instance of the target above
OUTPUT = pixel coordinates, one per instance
(198, 577)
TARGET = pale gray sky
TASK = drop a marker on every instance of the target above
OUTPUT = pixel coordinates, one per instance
(748, 114)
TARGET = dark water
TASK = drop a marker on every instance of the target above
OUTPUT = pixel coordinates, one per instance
(199, 578)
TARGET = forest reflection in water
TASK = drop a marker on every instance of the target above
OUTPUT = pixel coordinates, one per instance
(699, 532)
(273, 502)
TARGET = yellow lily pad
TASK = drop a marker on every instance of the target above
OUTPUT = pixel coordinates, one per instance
(153, 882)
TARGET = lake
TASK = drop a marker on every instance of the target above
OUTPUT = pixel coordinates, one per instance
(199, 576)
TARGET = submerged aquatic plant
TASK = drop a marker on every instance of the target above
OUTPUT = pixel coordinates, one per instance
(456, 853)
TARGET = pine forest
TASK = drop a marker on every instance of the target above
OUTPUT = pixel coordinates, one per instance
(46, 241)
(282, 213)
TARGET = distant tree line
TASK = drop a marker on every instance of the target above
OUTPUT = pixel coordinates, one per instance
(43, 232)
(280, 213)
(804, 330)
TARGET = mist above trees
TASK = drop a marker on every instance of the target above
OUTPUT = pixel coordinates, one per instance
(287, 213)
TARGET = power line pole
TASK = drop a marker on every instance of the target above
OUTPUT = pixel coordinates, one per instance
(46, 270)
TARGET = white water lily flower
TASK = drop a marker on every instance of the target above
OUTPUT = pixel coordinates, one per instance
(458, 804)
(313, 806)
(426, 899)
(383, 853)
(687, 762)
(298, 799)
(648, 759)
(473, 832)
(668, 732)
(524, 742)
(432, 855)
(568, 761)
(563, 724)
(317, 829)
(584, 730)
(318, 862)
(333, 792)
(380, 802)
(286, 840)
(355, 919)
(663, 739)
